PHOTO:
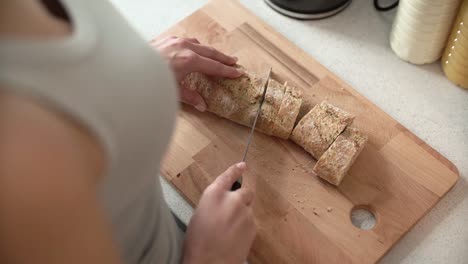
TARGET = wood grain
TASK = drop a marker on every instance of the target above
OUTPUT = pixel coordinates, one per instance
(397, 176)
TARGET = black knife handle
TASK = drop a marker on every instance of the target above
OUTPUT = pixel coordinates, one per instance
(236, 185)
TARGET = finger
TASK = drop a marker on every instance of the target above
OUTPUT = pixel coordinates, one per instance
(193, 40)
(232, 174)
(157, 42)
(246, 195)
(212, 53)
(189, 61)
(215, 68)
(193, 98)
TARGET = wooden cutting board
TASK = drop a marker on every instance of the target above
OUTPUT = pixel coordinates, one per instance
(397, 176)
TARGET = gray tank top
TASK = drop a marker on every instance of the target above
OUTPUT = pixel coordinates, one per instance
(109, 79)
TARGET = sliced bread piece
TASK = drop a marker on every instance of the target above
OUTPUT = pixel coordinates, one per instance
(267, 121)
(288, 111)
(336, 161)
(317, 130)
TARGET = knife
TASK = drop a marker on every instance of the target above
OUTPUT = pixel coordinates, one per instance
(238, 183)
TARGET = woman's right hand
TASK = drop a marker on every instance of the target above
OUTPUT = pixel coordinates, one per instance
(222, 228)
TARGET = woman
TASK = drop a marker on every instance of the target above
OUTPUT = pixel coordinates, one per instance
(86, 112)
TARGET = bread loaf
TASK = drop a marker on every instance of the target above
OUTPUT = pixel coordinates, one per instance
(238, 100)
(317, 130)
(336, 161)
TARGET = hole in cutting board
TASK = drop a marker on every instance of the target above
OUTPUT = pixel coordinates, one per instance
(362, 217)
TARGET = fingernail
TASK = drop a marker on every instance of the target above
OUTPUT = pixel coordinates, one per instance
(240, 71)
(235, 58)
(241, 165)
(201, 107)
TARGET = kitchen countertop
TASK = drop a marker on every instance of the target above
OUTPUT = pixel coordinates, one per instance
(354, 45)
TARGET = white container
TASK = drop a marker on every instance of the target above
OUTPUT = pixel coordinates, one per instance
(421, 28)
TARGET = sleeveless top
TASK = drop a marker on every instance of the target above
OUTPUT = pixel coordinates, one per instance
(107, 78)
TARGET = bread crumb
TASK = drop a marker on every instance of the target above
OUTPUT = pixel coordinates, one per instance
(329, 209)
(315, 212)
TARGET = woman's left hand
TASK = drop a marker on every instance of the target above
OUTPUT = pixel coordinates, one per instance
(187, 55)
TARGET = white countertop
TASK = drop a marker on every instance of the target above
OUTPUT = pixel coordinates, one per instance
(354, 45)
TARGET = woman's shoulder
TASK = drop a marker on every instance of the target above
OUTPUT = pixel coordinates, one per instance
(48, 171)
(35, 135)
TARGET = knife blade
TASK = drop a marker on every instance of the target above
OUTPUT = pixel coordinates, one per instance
(238, 183)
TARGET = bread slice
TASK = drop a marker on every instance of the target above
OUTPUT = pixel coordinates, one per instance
(288, 111)
(238, 100)
(317, 130)
(267, 121)
(336, 161)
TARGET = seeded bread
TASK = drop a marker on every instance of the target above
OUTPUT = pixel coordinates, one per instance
(336, 161)
(317, 130)
(288, 111)
(238, 100)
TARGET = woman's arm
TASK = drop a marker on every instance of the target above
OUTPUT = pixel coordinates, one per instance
(222, 228)
(49, 169)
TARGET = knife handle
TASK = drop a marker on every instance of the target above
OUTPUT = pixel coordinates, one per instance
(236, 185)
